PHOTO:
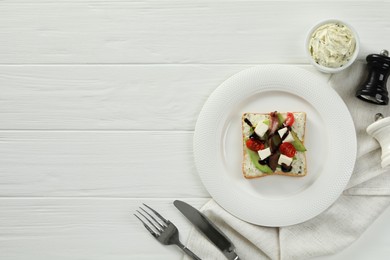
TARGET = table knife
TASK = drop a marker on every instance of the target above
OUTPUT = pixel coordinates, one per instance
(209, 229)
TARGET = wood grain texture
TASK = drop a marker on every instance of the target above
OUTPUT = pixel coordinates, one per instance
(70, 229)
(107, 97)
(144, 32)
(111, 164)
(121, 97)
(98, 105)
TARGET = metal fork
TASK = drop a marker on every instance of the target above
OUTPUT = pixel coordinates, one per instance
(163, 230)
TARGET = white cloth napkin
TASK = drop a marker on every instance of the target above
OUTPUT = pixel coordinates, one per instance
(364, 199)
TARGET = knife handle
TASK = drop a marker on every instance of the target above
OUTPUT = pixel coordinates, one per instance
(188, 252)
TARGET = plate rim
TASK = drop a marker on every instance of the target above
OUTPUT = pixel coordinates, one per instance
(251, 74)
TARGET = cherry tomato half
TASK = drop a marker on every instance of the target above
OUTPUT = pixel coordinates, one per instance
(290, 119)
(287, 149)
(254, 144)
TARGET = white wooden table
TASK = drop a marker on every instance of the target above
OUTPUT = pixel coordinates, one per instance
(98, 105)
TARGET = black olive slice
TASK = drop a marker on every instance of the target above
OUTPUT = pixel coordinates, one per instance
(254, 136)
(286, 168)
(264, 162)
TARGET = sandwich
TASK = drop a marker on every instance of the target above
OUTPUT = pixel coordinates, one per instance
(273, 144)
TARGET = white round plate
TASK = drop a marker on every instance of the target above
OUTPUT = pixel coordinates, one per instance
(275, 200)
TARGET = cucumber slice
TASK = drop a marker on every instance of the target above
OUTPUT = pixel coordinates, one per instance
(280, 119)
(255, 160)
(298, 145)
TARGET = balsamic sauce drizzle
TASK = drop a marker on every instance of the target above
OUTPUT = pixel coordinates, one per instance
(274, 148)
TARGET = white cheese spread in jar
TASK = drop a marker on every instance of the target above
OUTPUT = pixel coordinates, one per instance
(332, 45)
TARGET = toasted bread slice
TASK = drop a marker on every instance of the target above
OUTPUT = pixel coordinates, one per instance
(297, 167)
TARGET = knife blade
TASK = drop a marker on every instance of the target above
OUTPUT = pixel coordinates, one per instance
(208, 228)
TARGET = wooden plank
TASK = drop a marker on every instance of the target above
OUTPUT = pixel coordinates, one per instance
(177, 31)
(111, 164)
(99, 229)
(142, 97)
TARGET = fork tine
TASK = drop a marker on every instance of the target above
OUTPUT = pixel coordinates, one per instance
(147, 227)
(157, 214)
(158, 222)
(168, 234)
(154, 225)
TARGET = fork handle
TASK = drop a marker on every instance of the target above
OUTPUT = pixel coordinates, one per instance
(188, 252)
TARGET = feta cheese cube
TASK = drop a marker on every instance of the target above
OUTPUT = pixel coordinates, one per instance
(282, 131)
(264, 153)
(261, 129)
(284, 159)
(289, 138)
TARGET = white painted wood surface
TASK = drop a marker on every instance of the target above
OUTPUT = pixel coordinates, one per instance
(98, 105)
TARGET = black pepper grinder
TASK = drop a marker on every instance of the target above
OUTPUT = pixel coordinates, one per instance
(374, 89)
